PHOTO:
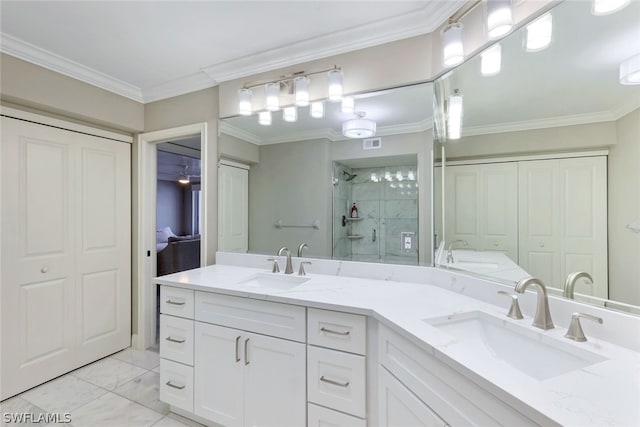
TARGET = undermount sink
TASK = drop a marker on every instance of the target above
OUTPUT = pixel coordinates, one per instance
(530, 352)
(273, 281)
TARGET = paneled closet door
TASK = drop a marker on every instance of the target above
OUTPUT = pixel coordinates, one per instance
(55, 299)
(233, 202)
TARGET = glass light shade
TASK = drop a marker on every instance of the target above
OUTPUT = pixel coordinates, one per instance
(183, 179)
(271, 96)
(399, 176)
(630, 71)
(244, 102)
(348, 105)
(290, 114)
(454, 117)
(335, 85)
(490, 60)
(264, 118)
(605, 7)
(317, 109)
(538, 33)
(301, 85)
(499, 18)
(387, 176)
(374, 177)
(453, 51)
(359, 128)
(411, 176)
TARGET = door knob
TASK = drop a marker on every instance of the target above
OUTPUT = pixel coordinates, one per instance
(44, 269)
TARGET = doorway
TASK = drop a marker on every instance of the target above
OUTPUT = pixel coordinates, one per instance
(150, 147)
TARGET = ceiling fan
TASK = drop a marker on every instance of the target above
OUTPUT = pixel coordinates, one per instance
(185, 176)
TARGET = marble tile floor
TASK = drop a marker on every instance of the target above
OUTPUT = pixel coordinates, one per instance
(121, 390)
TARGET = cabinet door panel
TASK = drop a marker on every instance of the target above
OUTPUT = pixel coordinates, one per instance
(218, 374)
(275, 381)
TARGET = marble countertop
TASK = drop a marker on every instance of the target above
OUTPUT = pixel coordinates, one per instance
(604, 393)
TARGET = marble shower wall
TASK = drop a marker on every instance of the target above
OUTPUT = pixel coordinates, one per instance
(341, 197)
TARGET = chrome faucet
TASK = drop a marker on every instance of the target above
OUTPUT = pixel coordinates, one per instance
(570, 283)
(542, 318)
(450, 248)
(575, 331)
(300, 248)
(289, 268)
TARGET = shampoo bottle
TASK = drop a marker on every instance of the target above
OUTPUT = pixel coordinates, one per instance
(354, 211)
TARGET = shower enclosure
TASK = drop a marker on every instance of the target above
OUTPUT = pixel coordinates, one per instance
(385, 192)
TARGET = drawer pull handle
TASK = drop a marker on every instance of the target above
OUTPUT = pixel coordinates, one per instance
(175, 302)
(179, 341)
(237, 349)
(179, 387)
(334, 382)
(331, 331)
(246, 352)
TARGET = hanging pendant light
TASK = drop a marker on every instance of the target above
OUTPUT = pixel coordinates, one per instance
(630, 71)
(335, 85)
(605, 7)
(499, 18)
(454, 116)
(317, 109)
(264, 118)
(539, 33)
(290, 114)
(453, 50)
(359, 127)
(490, 60)
(271, 93)
(301, 85)
(244, 102)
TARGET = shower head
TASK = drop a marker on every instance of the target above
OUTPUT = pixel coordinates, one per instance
(350, 176)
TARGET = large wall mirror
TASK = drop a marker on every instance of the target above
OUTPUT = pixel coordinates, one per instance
(544, 179)
(297, 182)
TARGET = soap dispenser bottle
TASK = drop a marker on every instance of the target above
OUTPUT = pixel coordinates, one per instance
(354, 211)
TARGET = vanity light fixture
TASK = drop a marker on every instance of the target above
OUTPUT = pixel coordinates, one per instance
(271, 96)
(335, 85)
(453, 51)
(317, 109)
(499, 18)
(630, 71)
(264, 118)
(490, 60)
(348, 105)
(359, 127)
(454, 116)
(301, 86)
(605, 7)
(538, 33)
(244, 102)
(290, 114)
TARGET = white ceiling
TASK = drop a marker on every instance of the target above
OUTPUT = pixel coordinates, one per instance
(150, 50)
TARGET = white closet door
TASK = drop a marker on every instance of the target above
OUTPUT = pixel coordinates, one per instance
(60, 284)
(233, 209)
(461, 204)
(103, 236)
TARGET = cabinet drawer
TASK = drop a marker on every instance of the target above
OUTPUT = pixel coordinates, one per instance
(337, 380)
(176, 384)
(319, 416)
(263, 317)
(176, 301)
(176, 339)
(334, 329)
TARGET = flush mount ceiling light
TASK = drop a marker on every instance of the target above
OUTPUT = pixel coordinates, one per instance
(244, 104)
(630, 71)
(290, 114)
(317, 109)
(490, 60)
(348, 105)
(538, 34)
(301, 87)
(264, 118)
(454, 116)
(359, 127)
(605, 7)
(499, 18)
(452, 50)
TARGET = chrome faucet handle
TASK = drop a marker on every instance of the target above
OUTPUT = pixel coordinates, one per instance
(276, 267)
(301, 271)
(575, 331)
(514, 310)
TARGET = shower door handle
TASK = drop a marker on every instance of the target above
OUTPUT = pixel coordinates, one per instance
(373, 237)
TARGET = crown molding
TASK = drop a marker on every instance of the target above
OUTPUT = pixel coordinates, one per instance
(20, 49)
(225, 127)
(383, 31)
(625, 109)
(179, 86)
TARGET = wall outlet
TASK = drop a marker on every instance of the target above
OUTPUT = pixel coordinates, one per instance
(407, 241)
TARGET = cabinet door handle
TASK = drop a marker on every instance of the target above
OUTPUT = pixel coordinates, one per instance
(330, 331)
(246, 352)
(334, 382)
(238, 349)
(171, 339)
(175, 302)
(170, 384)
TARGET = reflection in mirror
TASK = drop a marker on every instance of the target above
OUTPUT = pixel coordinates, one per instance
(543, 181)
(305, 176)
